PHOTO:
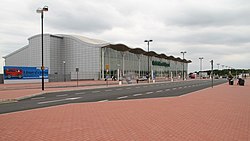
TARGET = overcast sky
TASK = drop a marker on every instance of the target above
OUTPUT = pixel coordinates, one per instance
(212, 29)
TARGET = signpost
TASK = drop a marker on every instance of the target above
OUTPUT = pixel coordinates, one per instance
(77, 70)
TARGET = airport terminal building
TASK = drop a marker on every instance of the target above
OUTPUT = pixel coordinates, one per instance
(71, 56)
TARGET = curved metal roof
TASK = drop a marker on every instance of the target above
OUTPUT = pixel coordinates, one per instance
(137, 51)
(151, 53)
(118, 47)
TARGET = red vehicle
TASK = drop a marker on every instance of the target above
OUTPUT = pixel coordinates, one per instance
(14, 72)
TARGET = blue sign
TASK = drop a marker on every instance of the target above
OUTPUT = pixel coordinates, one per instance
(17, 72)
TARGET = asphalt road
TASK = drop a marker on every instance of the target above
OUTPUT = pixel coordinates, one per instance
(137, 91)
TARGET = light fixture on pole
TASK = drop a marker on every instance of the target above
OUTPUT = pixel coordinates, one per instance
(183, 52)
(200, 66)
(148, 58)
(41, 10)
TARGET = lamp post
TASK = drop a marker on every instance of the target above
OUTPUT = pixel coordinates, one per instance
(183, 52)
(41, 10)
(212, 72)
(148, 57)
(64, 78)
(200, 66)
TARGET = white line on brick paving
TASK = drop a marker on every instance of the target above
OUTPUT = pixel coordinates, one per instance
(59, 100)
(61, 95)
(122, 97)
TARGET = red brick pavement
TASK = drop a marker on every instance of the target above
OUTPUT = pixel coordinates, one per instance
(218, 114)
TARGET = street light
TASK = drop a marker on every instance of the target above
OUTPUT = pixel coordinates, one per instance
(64, 78)
(41, 10)
(148, 56)
(200, 66)
(183, 52)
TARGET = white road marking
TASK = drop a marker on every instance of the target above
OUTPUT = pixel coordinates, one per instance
(80, 93)
(145, 86)
(185, 86)
(95, 91)
(137, 87)
(103, 100)
(61, 95)
(108, 90)
(122, 97)
(37, 98)
(174, 88)
(128, 88)
(159, 91)
(167, 90)
(149, 92)
(180, 87)
(137, 94)
(59, 100)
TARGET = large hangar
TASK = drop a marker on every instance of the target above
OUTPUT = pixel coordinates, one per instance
(64, 54)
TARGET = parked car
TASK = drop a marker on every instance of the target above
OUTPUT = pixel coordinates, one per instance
(14, 72)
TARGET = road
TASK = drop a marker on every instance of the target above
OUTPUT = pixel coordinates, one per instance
(137, 91)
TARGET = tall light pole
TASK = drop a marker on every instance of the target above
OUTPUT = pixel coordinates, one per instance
(148, 58)
(183, 52)
(64, 65)
(200, 66)
(41, 10)
(212, 72)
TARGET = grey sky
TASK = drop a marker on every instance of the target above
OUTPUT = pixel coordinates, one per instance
(213, 29)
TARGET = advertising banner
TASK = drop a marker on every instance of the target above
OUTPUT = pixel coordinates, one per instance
(18, 74)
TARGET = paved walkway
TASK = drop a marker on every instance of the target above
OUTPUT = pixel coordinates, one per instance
(221, 113)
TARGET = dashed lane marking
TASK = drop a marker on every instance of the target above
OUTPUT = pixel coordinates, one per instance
(149, 92)
(122, 97)
(103, 100)
(159, 91)
(174, 89)
(167, 90)
(59, 100)
(61, 95)
(37, 98)
(80, 93)
(137, 87)
(137, 94)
